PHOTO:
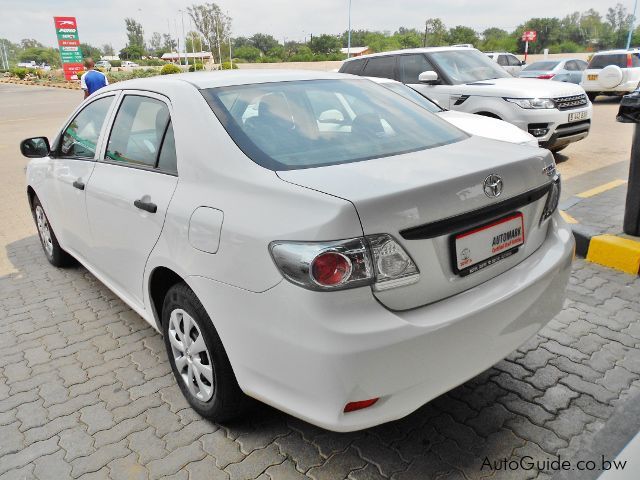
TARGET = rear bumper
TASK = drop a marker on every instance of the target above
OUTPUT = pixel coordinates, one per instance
(622, 89)
(309, 353)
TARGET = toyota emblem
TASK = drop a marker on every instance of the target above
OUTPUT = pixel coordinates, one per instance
(493, 186)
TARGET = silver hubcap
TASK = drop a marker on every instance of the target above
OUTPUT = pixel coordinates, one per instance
(190, 354)
(44, 231)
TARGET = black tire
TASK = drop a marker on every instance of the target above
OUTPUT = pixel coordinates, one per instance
(592, 96)
(228, 401)
(558, 149)
(52, 250)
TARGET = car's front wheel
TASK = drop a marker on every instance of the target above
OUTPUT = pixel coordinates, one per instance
(592, 96)
(52, 250)
(198, 358)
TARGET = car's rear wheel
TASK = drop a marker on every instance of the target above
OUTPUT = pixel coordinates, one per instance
(198, 358)
(52, 250)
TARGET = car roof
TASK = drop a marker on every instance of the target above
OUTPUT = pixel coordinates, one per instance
(411, 50)
(618, 51)
(224, 78)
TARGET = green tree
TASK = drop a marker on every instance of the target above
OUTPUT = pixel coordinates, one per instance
(435, 33)
(90, 51)
(155, 44)
(247, 52)
(263, 42)
(408, 38)
(325, 44)
(168, 43)
(107, 49)
(132, 52)
(135, 33)
(50, 56)
(212, 24)
(462, 34)
(27, 43)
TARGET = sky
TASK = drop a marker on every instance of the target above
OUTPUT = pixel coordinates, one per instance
(101, 22)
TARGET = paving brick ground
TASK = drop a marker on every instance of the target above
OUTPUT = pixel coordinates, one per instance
(604, 212)
(86, 392)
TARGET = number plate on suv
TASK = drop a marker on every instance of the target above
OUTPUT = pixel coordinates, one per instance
(575, 116)
(485, 245)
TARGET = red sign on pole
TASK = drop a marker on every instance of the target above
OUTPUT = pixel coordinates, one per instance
(530, 36)
(69, 45)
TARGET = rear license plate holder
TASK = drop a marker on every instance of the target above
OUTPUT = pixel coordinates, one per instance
(485, 245)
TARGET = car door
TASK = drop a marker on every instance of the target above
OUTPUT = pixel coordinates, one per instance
(574, 73)
(72, 164)
(410, 66)
(130, 190)
(503, 61)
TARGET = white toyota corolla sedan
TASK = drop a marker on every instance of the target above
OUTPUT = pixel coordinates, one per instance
(344, 273)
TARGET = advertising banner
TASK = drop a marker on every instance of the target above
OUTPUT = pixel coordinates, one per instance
(69, 45)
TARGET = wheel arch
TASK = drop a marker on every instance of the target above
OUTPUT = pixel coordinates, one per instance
(486, 113)
(161, 279)
(31, 194)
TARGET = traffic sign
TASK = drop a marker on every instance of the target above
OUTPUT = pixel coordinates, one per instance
(529, 36)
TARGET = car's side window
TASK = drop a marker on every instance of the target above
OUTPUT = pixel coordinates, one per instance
(382, 67)
(80, 138)
(513, 61)
(582, 65)
(137, 131)
(571, 66)
(353, 67)
(502, 60)
(411, 66)
(168, 160)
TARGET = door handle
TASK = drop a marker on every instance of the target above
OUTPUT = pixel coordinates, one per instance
(146, 206)
(78, 184)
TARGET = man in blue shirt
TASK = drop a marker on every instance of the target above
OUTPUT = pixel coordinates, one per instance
(93, 79)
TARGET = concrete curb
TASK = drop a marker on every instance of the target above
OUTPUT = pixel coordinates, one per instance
(68, 86)
(613, 251)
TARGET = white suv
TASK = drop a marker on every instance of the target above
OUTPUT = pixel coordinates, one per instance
(464, 79)
(508, 61)
(614, 72)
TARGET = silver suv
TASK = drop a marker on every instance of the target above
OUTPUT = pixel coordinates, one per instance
(465, 79)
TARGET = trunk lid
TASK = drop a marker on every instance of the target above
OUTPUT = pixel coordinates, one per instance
(402, 194)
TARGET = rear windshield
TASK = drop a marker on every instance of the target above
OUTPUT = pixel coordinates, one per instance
(303, 124)
(541, 66)
(618, 59)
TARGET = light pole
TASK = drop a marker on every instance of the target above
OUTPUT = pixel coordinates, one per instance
(184, 39)
(633, 19)
(349, 35)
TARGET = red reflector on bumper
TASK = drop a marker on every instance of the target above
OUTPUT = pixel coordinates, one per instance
(359, 405)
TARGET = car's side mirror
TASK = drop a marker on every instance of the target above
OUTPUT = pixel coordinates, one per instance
(523, 63)
(36, 147)
(429, 77)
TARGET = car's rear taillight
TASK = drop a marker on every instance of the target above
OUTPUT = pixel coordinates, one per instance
(359, 405)
(547, 76)
(629, 61)
(553, 198)
(376, 260)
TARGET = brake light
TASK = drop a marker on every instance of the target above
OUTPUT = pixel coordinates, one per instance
(376, 260)
(629, 61)
(359, 405)
(552, 199)
(330, 269)
(547, 76)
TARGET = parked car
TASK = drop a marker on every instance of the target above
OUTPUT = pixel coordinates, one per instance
(34, 65)
(473, 124)
(329, 272)
(614, 72)
(127, 63)
(508, 61)
(565, 70)
(104, 64)
(465, 79)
